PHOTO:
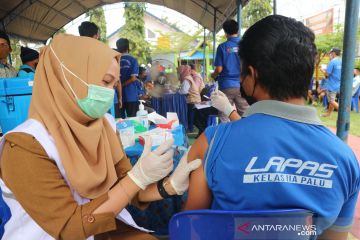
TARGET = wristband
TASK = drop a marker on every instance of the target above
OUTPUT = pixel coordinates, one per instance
(162, 190)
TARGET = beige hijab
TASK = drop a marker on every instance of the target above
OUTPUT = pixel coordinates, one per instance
(88, 147)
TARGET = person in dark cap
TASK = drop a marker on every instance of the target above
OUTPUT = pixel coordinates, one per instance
(89, 29)
(30, 59)
(6, 70)
(333, 74)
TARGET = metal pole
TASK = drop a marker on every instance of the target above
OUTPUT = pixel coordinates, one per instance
(351, 24)
(204, 57)
(239, 6)
(274, 7)
(214, 36)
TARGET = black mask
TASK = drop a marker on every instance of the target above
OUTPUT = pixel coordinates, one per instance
(250, 99)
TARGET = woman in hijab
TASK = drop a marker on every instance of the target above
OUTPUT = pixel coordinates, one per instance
(191, 89)
(64, 174)
(197, 78)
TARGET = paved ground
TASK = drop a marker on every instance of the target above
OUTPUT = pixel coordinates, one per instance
(354, 143)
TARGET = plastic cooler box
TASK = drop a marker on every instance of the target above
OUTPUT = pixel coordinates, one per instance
(15, 97)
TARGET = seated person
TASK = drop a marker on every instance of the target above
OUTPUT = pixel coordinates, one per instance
(310, 98)
(89, 29)
(321, 89)
(6, 70)
(270, 151)
(30, 59)
(142, 91)
(197, 78)
(202, 115)
(192, 91)
(356, 81)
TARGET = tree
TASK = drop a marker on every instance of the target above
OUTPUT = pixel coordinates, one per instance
(134, 31)
(254, 11)
(97, 16)
(15, 53)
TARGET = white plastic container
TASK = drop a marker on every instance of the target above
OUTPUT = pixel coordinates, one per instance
(127, 133)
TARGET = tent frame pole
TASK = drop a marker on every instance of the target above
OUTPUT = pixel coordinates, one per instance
(351, 26)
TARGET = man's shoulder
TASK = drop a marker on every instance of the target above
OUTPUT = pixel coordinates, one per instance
(129, 57)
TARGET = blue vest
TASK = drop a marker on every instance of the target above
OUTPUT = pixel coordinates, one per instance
(268, 162)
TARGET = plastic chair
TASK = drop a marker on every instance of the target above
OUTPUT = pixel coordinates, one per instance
(247, 224)
(5, 214)
(355, 101)
(211, 120)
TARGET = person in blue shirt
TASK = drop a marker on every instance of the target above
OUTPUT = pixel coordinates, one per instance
(321, 89)
(227, 67)
(30, 59)
(129, 70)
(268, 159)
(89, 29)
(333, 73)
(310, 97)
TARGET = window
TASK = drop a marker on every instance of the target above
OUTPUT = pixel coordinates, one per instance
(150, 34)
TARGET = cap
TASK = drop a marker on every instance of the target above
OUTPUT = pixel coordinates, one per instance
(28, 54)
(335, 50)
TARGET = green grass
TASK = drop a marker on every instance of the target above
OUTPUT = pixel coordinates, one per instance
(331, 121)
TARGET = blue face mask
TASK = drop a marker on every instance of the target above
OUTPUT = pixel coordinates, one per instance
(98, 100)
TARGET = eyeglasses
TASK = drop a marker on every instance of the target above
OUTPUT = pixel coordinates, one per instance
(4, 45)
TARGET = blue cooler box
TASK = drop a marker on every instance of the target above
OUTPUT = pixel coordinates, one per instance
(15, 97)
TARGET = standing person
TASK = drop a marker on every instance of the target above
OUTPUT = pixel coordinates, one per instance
(270, 151)
(89, 29)
(64, 173)
(227, 68)
(129, 70)
(118, 101)
(30, 59)
(333, 74)
(6, 70)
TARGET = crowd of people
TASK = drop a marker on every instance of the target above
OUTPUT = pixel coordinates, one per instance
(265, 147)
(29, 58)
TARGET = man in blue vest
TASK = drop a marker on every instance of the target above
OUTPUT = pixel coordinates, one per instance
(227, 68)
(333, 73)
(129, 70)
(279, 155)
(89, 29)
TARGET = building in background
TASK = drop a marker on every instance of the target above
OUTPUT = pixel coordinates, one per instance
(154, 28)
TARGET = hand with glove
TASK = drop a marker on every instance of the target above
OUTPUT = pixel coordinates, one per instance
(152, 166)
(180, 177)
(220, 101)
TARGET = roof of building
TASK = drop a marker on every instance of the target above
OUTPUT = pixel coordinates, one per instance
(41, 19)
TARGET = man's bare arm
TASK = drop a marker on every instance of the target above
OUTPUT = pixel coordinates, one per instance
(332, 235)
(199, 195)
